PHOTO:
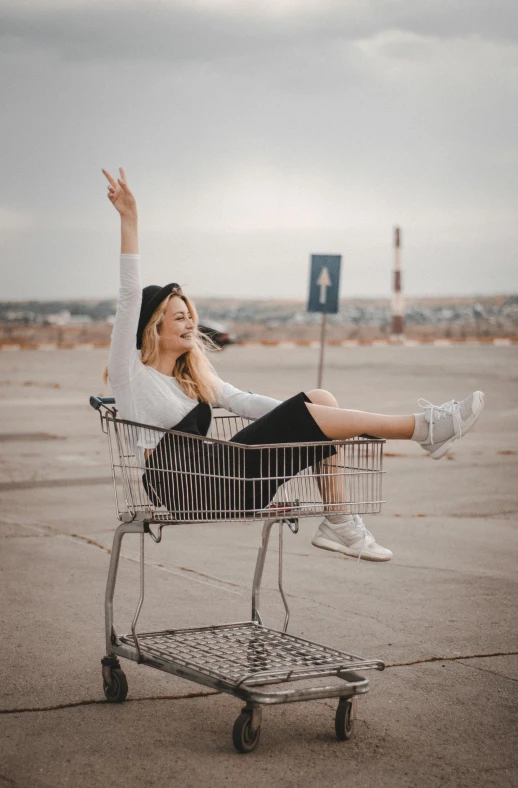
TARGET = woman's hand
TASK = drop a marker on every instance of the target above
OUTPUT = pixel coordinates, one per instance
(120, 195)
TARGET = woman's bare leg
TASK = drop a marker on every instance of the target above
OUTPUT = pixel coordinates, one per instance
(435, 429)
(329, 483)
(339, 424)
(341, 532)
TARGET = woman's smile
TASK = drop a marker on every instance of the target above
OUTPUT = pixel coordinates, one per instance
(177, 328)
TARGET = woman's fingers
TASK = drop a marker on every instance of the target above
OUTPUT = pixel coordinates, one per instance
(123, 186)
(112, 180)
(123, 181)
(120, 183)
(119, 193)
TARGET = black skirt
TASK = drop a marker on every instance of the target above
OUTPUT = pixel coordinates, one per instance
(200, 481)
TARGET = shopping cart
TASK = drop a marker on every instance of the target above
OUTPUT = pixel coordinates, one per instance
(249, 660)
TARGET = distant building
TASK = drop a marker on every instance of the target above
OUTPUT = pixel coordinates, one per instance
(58, 318)
(19, 316)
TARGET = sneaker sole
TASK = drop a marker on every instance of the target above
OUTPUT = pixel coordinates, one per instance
(327, 544)
(478, 404)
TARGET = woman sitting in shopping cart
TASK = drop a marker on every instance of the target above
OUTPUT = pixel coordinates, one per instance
(161, 376)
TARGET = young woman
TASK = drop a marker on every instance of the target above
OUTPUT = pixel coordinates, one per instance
(160, 376)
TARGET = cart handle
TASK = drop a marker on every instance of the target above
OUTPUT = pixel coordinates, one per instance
(97, 402)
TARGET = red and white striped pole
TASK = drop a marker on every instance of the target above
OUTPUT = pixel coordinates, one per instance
(397, 296)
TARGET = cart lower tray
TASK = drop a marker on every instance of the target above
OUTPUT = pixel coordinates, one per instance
(245, 653)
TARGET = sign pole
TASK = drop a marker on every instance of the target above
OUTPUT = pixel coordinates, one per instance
(397, 297)
(322, 347)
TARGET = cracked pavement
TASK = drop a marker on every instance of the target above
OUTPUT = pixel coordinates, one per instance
(441, 614)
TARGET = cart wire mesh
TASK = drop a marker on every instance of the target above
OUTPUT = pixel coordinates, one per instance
(164, 476)
(246, 653)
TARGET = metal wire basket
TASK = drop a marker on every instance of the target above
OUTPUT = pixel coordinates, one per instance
(165, 476)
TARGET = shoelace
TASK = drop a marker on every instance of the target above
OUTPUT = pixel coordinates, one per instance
(358, 524)
(363, 531)
(449, 408)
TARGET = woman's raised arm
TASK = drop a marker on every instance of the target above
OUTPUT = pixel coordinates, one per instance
(124, 357)
(122, 199)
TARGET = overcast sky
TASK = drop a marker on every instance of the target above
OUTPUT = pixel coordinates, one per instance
(255, 133)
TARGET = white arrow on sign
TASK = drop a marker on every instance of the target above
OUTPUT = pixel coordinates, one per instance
(324, 281)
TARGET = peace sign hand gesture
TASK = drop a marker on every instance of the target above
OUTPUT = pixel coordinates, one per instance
(120, 195)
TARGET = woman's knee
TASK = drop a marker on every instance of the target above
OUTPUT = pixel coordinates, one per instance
(322, 397)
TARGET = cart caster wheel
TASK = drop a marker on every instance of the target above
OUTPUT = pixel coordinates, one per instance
(116, 689)
(242, 737)
(344, 719)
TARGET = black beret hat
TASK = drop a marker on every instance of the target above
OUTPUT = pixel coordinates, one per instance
(152, 296)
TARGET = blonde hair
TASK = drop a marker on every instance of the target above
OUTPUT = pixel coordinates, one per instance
(192, 370)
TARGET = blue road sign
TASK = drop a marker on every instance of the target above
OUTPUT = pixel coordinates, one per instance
(324, 283)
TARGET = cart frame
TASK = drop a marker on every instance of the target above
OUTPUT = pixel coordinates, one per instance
(257, 664)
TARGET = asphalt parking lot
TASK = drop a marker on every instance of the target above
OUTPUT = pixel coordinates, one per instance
(441, 614)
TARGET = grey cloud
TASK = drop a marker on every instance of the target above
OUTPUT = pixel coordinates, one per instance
(188, 33)
(217, 114)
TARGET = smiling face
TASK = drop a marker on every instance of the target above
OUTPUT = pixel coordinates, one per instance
(177, 329)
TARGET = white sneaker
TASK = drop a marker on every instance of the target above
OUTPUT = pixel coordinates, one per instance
(449, 422)
(350, 538)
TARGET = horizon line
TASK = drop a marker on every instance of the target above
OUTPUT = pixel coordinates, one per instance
(406, 296)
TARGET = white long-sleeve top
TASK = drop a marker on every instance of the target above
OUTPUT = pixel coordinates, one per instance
(143, 394)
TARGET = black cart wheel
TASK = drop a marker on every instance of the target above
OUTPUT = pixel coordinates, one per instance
(344, 719)
(117, 688)
(242, 737)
